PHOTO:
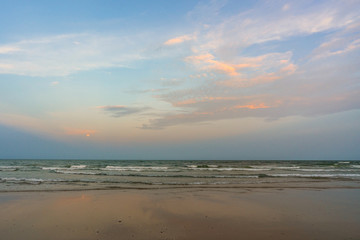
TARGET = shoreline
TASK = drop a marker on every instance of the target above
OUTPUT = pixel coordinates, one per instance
(181, 188)
(296, 184)
(182, 213)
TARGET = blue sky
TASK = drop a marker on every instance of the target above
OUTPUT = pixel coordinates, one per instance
(180, 79)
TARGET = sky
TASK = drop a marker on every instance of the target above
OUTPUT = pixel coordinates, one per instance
(222, 80)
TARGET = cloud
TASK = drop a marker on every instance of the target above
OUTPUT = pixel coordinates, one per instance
(203, 99)
(286, 7)
(311, 89)
(343, 42)
(6, 67)
(179, 39)
(266, 68)
(249, 64)
(289, 69)
(61, 55)
(8, 49)
(196, 117)
(251, 106)
(206, 61)
(226, 36)
(121, 111)
(273, 84)
(273, 108)
(152, 90)
(249, 82)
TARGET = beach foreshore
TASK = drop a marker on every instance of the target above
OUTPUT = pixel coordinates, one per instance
(183, 213)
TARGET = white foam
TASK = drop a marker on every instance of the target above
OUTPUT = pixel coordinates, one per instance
(73, 167)
(323, 170)
(355, 166)
(78, 166)
(254, 169)
(9, 168)
(262, 166)
(134, 168)
(36, 180)
(52, 168)
(197, 183)
(23, 180)
(297, 167)
(75, 172)
(191, 166)
(233, 169)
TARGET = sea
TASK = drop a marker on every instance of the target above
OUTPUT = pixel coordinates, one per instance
(68, 175)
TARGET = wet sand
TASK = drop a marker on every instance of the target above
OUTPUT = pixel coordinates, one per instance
(181, 214)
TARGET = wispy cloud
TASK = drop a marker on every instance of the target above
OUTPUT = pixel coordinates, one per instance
(207, 62)
(343, 42)
(8, 49)
(5, 67)
(121, 111)
(152, 90)
(179, 39)
(272, 85)
(61, 55)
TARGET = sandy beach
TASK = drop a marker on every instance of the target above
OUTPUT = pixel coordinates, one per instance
(181, 214)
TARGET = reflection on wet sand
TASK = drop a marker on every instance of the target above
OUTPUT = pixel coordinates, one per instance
(181, 214)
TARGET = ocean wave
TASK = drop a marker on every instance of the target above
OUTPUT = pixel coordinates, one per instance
(36, 181)
(274, 167)
(323, 170)
(78, 167)
(314, 175)
(22, 180)
(230, 169)
(183, 176)
(53, 168)
(286, 168)
(73, 167)
(134, 168)
(77, 173)
(9, 168)
(203, 166)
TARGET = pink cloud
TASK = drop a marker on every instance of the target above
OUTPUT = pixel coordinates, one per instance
(244, 82)
(289, 69)
(112, 107)
(178, 40)
(251, 106)
(207, 62)
(204, 99)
